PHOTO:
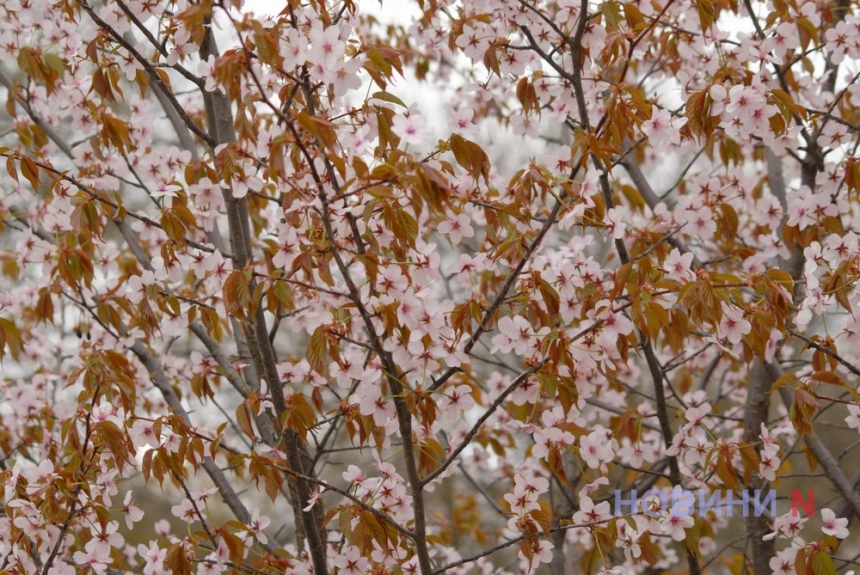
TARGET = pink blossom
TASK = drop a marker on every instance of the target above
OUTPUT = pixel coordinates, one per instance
(258, 524)
(456, 399)
(615, 224)
(461, 123)
(94, 559)
(515, 335)
(165, 190)
(543, 554)
(661, 128)
(836, 527)
(457, 228)
(593, 449)
(153, 557)
(185, 511)
(104, 540)
(326, 46)
(783, 563)
(591, 513)
(733, 326)
(677, 266)
(411, 129)
(853, 417)
(350, 561)
(316, 495)
(674, 525)
(142, 434)
(132, 513)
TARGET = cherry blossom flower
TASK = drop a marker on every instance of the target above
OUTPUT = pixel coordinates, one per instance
(354, 475)
(425, 263)
(10, 482)
(185, 511)
(515, 335)
(806, 208)
(153, 557)
(38, 477)
(787, 525)
(94, 559)
(733, 326)
(456, 399)
(461, 123)
(615, 323)
(466, 265)
(183, 47)
(373, 403)
(677, 266)
(201, 496)
(783, 563)
(542, 554)
(391, 280)
(115, 18)
(591, 513)
(106, 539)
(107, 483)
(142, 433)
(786, 39)
(833, 526)
(834, 134)
(593, 448)
(162, 527)
(346, 76)
(411, 129)
(633, 454)
(768, 466)
(695, 414)
(523, 499)
(132, 513)
(548, 439)
(838, 41)
(524, 125)
(206, 194)
(288, 249)
(472, 42)
(853, 417)
(457, 228)
(165, 190)
(243, 178)
(700, 222)
(27, 519)
(661, 128)
(316, 495)
(350, 561)
(326, 46)
(674, 525)
(138, 286)
(258, 524)
(616, 226)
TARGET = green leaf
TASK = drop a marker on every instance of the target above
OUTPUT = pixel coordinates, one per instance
(822, 564)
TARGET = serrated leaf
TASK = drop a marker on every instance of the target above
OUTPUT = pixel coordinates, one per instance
(822, 564)
(317, 351)
(243, 419)
(828, 377)
(177, 560)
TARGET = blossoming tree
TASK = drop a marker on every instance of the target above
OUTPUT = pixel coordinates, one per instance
(243, 273)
